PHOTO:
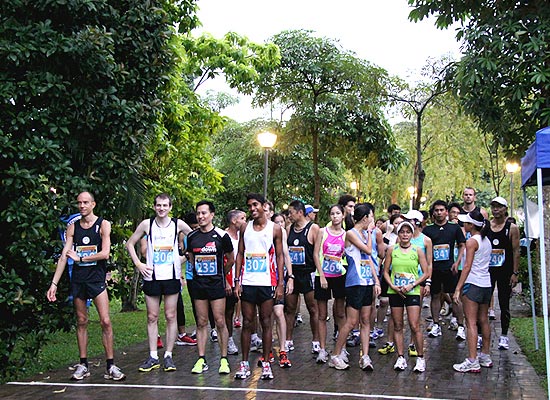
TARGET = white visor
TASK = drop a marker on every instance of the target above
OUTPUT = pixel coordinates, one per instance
(467, 218)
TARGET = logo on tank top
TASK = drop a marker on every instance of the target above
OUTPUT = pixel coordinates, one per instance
(86, 240)
(496, 242)
(296, 242)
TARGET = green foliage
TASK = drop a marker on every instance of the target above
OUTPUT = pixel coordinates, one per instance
(503, 78)
(81, 87)
(524, 333)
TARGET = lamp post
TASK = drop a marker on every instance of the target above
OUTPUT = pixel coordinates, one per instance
(411, 190)
(512, 167)
(353, 185)
(267, 141)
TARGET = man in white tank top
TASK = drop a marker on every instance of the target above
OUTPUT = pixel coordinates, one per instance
(258, 279)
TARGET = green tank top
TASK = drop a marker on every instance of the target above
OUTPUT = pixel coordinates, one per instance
(404, 269)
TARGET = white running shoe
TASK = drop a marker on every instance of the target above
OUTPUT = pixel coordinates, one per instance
(484, 360)
(322, 357)
(461, 333)
(365, 363)
(400, 364)
(467, 366)
(244, 370)
(492, 315)
(315, 347)
(420, 365)
(453, 325)
(289, 344)
(232, 348)
(338, 363)
(504, 343)
(479, 342)
(344, 355)
(435, 331)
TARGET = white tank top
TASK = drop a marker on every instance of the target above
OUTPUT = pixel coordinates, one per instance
(162, 252)
(479, 273)
(258, 264)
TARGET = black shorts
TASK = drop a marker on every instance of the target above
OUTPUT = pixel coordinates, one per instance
(336, 288)
(231, 299)
(384, 287)
(480, 295)
(400, 302)
(159, 288)
(359, 296)
(207, 293)
(87, 290)
(302, 282)
(257, 294)
(443, 279)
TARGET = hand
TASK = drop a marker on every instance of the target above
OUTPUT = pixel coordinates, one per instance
(146, 271)
(51, 293)
(279, 292)
(456, 296)
(228, 290)
(401, 291)
(513, 280)
(377, 290)
(73, 255)
(237, 290)
(290, 286)
(454, 268)
(324, 282)
(426, 291)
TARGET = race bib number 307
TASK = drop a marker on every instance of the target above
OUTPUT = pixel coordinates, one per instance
(255, 263)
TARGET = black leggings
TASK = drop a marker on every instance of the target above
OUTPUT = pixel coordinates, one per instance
(500, 276)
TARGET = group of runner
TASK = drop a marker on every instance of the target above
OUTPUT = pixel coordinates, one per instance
(269, 260)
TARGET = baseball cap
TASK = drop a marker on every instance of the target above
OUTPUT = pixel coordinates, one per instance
(309, 209)
(414, 214)
(500, 200)
(468, 218)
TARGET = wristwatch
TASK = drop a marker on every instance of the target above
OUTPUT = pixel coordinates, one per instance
(516, 273)
(291, 276)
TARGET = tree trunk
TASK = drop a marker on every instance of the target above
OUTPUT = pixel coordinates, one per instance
(316, 177)
(130, 303)
(419, 172)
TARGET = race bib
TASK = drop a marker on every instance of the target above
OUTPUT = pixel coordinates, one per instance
(255, 263)
(163, 255)
(206, 265)
(85, 251)
(365, 268)
(403, 279)
(441, 252)
(332, 266)
(497, 258)
(297, 255)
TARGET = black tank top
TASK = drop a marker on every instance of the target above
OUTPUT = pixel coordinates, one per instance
(87, 242)
(501, 240)
(301, 251)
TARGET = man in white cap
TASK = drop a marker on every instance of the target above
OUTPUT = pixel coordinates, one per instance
(311, 213)
(504, 264)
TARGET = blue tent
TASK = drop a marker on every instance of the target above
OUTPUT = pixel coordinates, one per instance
(535, 171)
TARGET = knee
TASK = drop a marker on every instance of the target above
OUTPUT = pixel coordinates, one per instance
(398, 327)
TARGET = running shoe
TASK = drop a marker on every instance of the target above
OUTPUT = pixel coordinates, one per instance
(200, 366)
(114, 373)
(149, 364)
(354, 340)
(262, 359)
(365, 363)
(373, 334)
(429, 318)
(400, 364)
(453, 325)
(479, 342)
(338, 363)
(213, 335)
(81, 372)
(232, 348)
(387, 349)
(169, 364)
(315, 347)
(237, 323)
(193, 335)
(224, 366)
(379, 332)
(429, 326)
(446, 310)
(266, 371)
(504, 343)
(467, 366)
(412, 350)
(484, 360)
(284, 362)
(492, 315)
(256, 344)
(372, 344)
(420, 365)
(299, 318)
(185, 340)
(322, 357)
(461, 333)
(289, 345)
(435, 331)
(344, 356)
(159, 343)
(244, 370)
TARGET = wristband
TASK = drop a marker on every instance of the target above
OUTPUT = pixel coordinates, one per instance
(291, 276)
(53, 283)
(428, 283)
(236, 280)
(516, 273)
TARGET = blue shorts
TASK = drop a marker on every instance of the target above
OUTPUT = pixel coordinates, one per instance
(480, 295)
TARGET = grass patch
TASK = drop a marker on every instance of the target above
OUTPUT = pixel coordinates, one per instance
(129, 328)
(524, 333)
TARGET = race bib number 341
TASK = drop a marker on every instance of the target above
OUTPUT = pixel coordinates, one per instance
(441, 252)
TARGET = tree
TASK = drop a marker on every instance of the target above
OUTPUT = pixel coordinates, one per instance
(335, 99)
(503, 78)
(82, 86)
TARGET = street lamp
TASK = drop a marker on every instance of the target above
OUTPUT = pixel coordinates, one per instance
(512, 167)
(354, 185)
(267, 141)
(411, 190)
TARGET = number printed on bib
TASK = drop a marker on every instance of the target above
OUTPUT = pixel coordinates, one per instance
(497, 258)
(297, 255)
(163, 255)
(85, 251)
(442, 252)
(403, 279)
(255, 263)
(366, 270)
(206, 265)
(332, 266)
